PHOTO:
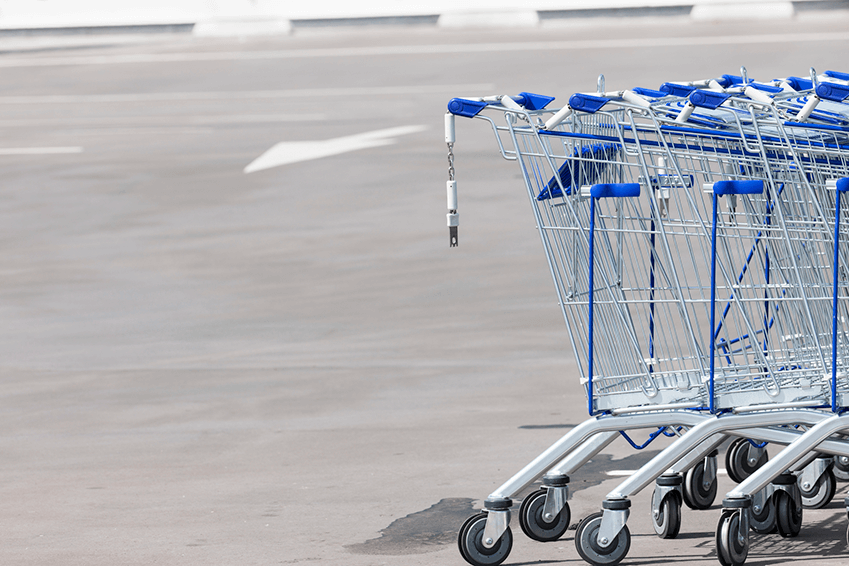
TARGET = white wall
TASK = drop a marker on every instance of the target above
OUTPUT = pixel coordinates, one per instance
(73, 13)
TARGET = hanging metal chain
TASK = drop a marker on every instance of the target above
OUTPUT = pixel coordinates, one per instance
(453, 217)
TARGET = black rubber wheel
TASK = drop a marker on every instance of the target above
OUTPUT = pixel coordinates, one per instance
(841, 468)
(763, 521)
(696, 494)
(788, 517)
(667, 523)
(730, 549)
(820, 493)
(729, 458)
(535, 525)
(470, 541)
(589, 549)
(737, 461)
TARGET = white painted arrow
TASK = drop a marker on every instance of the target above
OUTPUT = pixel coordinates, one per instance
(285, 153)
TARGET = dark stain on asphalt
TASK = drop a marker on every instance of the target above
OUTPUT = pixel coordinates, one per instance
(425, 531)
(437, 526)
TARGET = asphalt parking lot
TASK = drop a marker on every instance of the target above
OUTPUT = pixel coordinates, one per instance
(233, 330)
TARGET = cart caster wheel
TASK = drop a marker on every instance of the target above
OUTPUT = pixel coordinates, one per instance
(667, 522)
(841, 468)
(788, 517)
(732, 546)
(696, 494)
(535, 525)
(763, 521)
(729, 459)
(737, 461)
(589, 549)
(471, 545)
(821, 493)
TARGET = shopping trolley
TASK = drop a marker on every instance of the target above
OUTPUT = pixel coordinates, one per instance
(582, 187)
(814, 155)
(787, 229)
(630, 316)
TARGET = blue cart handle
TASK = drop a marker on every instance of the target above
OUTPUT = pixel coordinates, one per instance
(833, 91)
(837, 75)
(591, 103)
(611, 190)
(719, 188)
(471, 107)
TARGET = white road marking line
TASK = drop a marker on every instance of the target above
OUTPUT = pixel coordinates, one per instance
(285, 153)
(39, 150)
(245, 95)
(161, 121)
(618, 473)
(135, 131)
(624, 43)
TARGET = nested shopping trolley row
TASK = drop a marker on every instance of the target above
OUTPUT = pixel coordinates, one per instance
(696, 246)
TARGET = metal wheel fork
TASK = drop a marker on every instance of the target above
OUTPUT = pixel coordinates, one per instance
(556, 495)
(786, 482)
(497, 521)
(616, 512)
(812, 473)
(664, 485)
(762, 497)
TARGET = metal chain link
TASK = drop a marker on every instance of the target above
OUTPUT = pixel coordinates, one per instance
(450, 161)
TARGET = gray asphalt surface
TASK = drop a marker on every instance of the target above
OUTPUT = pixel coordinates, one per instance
(207, 367)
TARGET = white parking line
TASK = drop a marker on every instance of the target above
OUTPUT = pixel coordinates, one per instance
(502, 47)
(39, 150)
(406, 90)
(161, 121)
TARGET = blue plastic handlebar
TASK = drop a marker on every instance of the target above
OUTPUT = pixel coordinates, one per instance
(649, 92)
(676, 89)
(533, 101)
(471, 108)
(609, 190)
(831, 91)
(738, 187)
(467, 108)
(587, 102)
(843, 184)
(837, 75)
(766, 88)
(708, 99)
(798, 83)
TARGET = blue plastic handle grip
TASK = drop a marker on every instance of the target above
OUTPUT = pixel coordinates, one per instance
(738, 187)
(587, 102)
(766, 88)
(676, 90)
(708, 99)
(798, 83)
(831, 91)
(843, 184)
(533, 101)
(837, 75)
(649, 92)
(467, 108)
(609, 190)
(730, 80)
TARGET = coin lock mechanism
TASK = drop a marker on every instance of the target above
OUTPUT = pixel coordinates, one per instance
(451, 185)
